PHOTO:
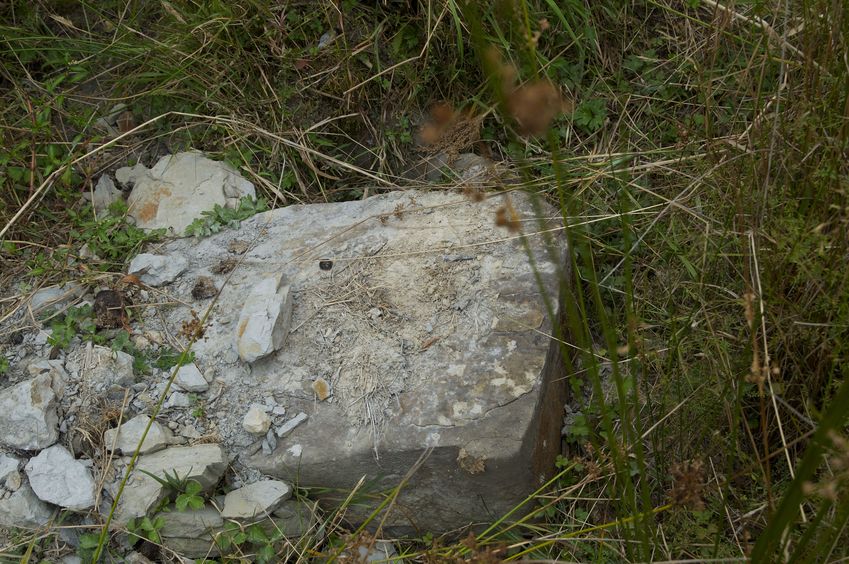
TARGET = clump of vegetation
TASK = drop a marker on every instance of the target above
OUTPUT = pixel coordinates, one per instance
(75, 321)
(219, 217)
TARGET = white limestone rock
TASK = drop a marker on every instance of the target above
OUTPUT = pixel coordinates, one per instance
(177, 399)
(290, 425)
(157, 270)
(204, 463)
(255, 500)
(101, 367)
(56, 477)
(24, 509)
(191, 523)
(28, 417)
(190, 379)
(179, 188)
(103, 195)
(264, 320)
(8, 466)
(130, 433)
(256, 420)
(56, 296)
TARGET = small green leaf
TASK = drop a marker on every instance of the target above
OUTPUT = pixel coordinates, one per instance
(256, 534)
(89, 541)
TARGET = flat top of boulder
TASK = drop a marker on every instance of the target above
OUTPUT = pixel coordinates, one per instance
(414, 307)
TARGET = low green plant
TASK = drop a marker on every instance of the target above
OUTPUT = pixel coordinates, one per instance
(168, 357)
(219, 217)
(75, 321)
(190, 496)
(145, 528)
(110, 236)
(4, 365)
(251, 539)
(85, 549)
(590, 115)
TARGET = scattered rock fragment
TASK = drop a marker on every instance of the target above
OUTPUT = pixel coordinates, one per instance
(191, 533)
(57, 296)
(177, 399)
(101, 367)
(264, 320)
(56, 477)
(255, 500)
(28, 417)
(179, 188)
(256, 420)
(378, 551)
(129, 434)
(290, 425)
(109, 121)
(157, 270)
(104, 194)
(190, 379)
(191, 523)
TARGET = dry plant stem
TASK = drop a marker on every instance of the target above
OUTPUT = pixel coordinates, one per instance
(764, 25)
(421, 54)
(48, 182)
(605, 526)
(767, 369)
(124, 403)
(725, 506)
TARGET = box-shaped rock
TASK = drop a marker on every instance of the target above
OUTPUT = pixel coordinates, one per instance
(434, 336)
(425, 322)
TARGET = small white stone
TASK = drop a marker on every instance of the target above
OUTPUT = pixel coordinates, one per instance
(256, 420)
(190, 379)
(157, 270)
(28, 417)
(177, 399)
(255, 500)
(289, 425)
(264, 319)
(130, 433)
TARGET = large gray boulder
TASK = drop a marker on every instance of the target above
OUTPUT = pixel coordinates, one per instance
(423, 323)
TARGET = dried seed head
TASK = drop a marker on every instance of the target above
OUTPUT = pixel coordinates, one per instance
(534, 106)
(506, 216)
(688, 484)
(473, 193)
